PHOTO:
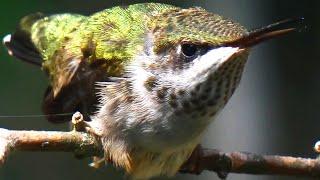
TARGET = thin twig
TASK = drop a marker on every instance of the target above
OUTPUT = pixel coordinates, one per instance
(85, 145)
(80, 143)
(250, 163)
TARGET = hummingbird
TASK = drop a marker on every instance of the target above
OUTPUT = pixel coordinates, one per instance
(148, 77)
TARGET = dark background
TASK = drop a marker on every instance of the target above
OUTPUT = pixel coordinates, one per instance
(274, 111)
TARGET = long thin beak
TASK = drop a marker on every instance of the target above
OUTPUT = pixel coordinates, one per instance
(271, 31)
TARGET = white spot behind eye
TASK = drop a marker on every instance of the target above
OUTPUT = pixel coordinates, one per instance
(178, 49)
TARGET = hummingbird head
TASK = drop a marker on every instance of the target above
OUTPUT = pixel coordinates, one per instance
(193, 60)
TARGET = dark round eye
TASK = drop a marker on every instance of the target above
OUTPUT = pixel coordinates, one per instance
(189, 50)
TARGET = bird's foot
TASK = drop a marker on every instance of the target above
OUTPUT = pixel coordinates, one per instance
(80, 125)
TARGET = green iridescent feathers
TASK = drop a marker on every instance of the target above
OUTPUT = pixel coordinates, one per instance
(114, 36)
(193, 25)
(118, 32)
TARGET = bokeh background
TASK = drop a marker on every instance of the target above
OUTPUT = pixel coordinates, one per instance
(274, 111)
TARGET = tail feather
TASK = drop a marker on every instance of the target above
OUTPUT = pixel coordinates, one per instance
(19, 43)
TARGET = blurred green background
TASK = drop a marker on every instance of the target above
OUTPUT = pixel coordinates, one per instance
(274, 111)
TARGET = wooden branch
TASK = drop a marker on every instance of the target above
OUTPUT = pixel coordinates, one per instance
(80, 143)
(250, 163)
(85, 145)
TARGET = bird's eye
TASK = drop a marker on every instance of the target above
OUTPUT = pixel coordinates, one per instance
(189, 50)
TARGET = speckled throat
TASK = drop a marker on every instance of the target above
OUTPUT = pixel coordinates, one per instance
(209, 96)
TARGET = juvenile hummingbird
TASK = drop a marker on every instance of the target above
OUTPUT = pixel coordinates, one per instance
(149, 77)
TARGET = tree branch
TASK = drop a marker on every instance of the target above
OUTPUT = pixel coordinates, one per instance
(80, 143)
(250, 163)
(85, 145)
